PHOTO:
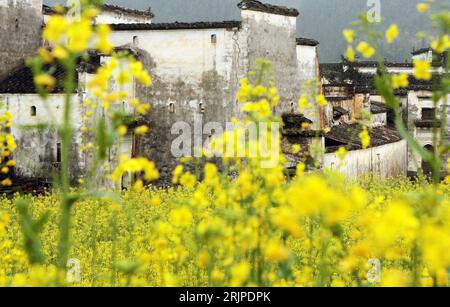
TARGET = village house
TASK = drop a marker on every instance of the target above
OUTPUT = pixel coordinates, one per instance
(38, 153)
(111, 14)
(350, 87)
(196, 69)
(20, 31)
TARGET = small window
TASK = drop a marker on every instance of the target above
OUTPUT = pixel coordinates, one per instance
(58, 152)
(292, 107)
(201, 108)
(136, 40)
(33, 111)
(171, 107)
(213, 39)
(428, 113)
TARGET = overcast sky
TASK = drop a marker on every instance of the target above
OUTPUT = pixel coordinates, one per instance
(319, 19)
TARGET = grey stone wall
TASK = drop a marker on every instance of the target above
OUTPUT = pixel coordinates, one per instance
(20, 31)
(215, 94)
(215, 91)
(277, 43)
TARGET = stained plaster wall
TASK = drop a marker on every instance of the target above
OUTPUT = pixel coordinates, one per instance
(20, 31)
(191, 73)
(36, 152)
(273, 37)
(424, 135)
(384, 161)
(309, 78)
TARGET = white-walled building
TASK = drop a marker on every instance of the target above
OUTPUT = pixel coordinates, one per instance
(197, 68)
(351, 86)
(111, 14)
(34, 128)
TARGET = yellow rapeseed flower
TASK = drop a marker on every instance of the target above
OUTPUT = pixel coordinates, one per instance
(6, 182)
(341, 153)
(365, 138)
(79, 35)
(442, 44)
(321, 100)
(122, 130)
(399, 81)
(423, 7)
(141, 130)
(181, 217)
(392, 33)
(55, 29)
(422, 69)
(349, 35)
(365, 49)
(350, 54)
(45, 80)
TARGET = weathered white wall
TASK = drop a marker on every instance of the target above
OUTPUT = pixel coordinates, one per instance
(385, 161)
(273, 37)
(391, 70)
(116, 18)
(424, 135)
(425, 56)
(307, 62)
(183, 54)
(36, 4)
(379, 119)
(107, 17)
(20, 31)
(309, 78)
(188, 69)
(37, 148)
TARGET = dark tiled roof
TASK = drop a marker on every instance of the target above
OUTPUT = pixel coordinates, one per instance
(348, 134)
(365, 83)
(378, 108)
(46, 9)
(306, 41)
(335, 98)
(21, 81)
(267, 8)
(291, 120)
(387, 64)
(148, 13)
(331, 66)
(298, 132)
(292, 126)
(332, 71)
(176, 26)
(339, 112)
(427, 123)
(421, 50)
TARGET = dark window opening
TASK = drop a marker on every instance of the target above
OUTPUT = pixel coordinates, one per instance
(171, 107)
(428, 113)
(33, 111)
(213, 132)
(135, 40)
(214, 39)
(333, 145)
(201, 108)
(427, 168)
(58, 152)
(292, 107)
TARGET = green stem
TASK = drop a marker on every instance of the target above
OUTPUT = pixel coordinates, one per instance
(66, 134)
